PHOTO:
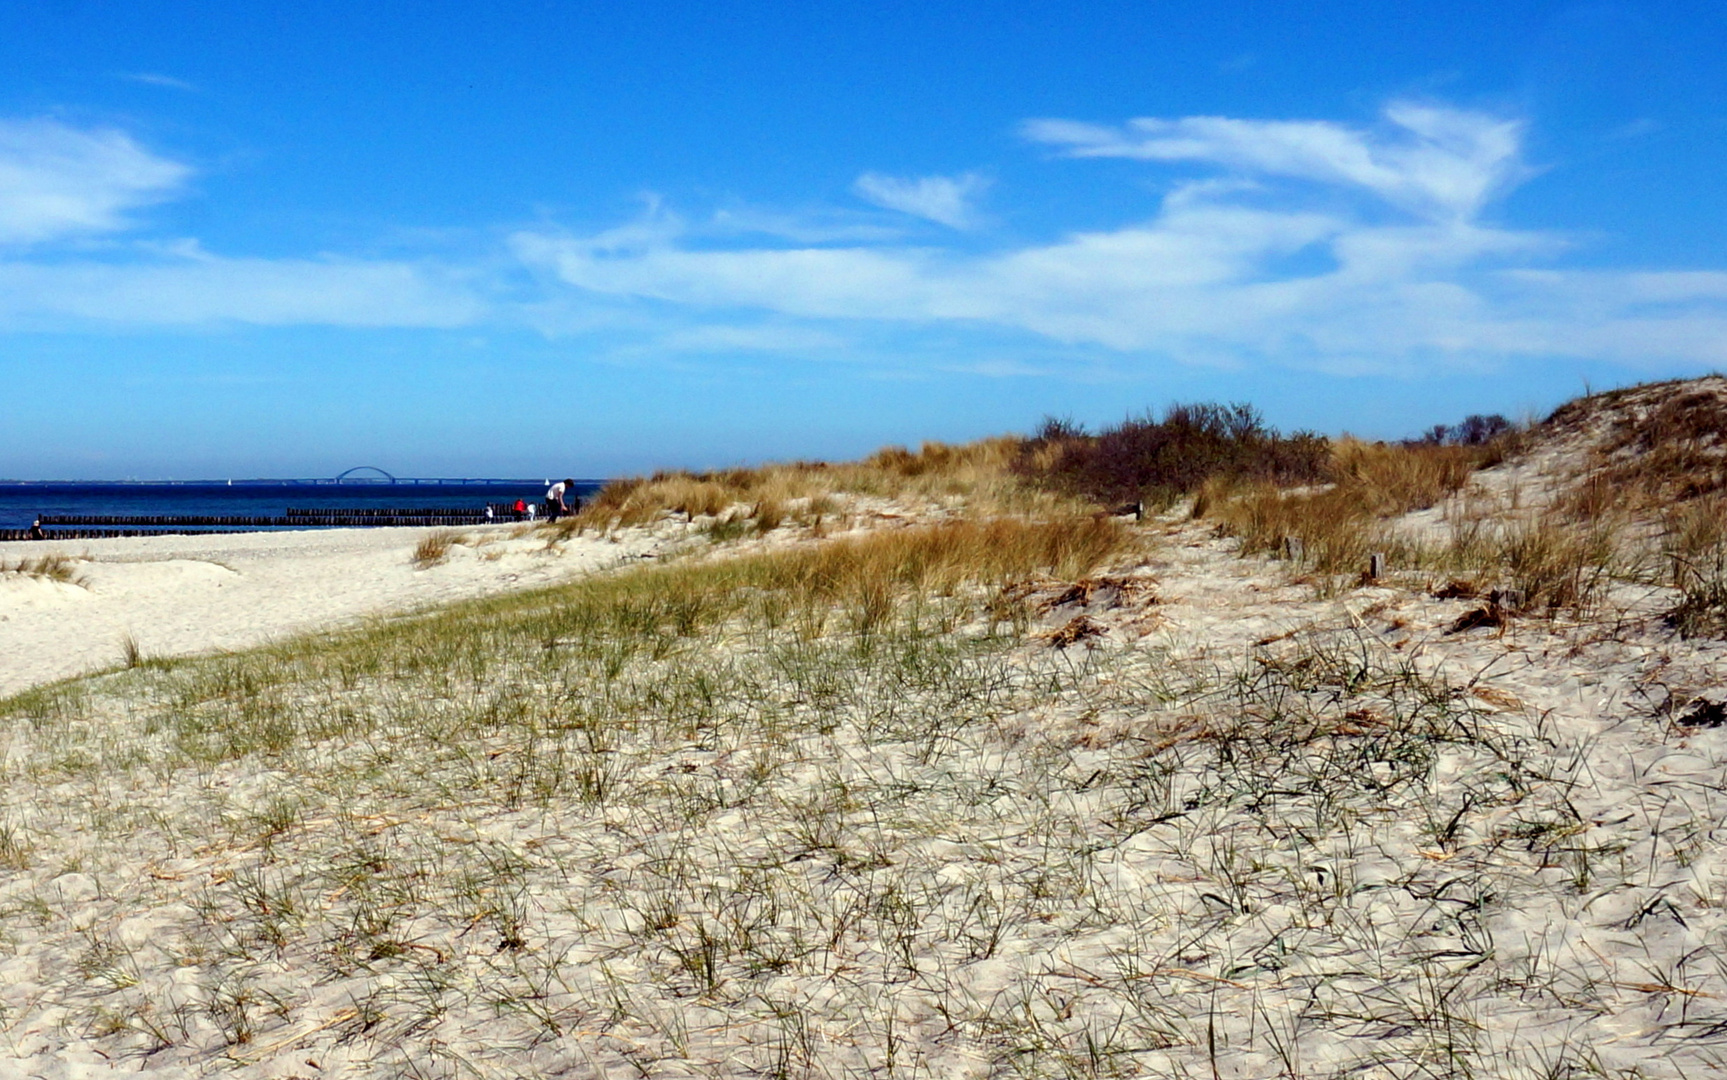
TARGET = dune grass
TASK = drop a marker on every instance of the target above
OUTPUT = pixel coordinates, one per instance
(1561, 557)
(848, 809)
(976, 476)
(1339, 523)
(1663, 443)
(434, 548)
(51, 567)
(817, 810)
(1694, 545)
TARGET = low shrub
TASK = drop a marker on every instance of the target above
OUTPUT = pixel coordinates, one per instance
(1158, 461)
(1475, 430)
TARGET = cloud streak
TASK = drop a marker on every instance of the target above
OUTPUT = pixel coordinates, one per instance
(58, 181)
(1400, 275)
(946, 200)
(265, 292)
(1438, 162)
(1314, 245)
(151, 78)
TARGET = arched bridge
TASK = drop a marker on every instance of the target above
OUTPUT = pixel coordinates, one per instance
(370, 474)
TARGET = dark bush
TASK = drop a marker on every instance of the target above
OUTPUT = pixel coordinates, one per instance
(1158, 461)
(1476, 430)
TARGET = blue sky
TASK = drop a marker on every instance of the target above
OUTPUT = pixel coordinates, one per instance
(463, 239)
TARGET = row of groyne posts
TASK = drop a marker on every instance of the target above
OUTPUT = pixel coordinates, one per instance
(108, 526)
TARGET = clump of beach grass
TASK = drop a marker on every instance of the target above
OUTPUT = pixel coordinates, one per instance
(434, 548)
(15, 849)
(1560, 566)
(1560, 557)
(1694, 545)
(1662, 443)
(1339, 523)
(53, 566)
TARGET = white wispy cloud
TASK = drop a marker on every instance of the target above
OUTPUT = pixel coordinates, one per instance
(60, 184)
(57, 180)
(946, 200)
(152, 78)
(1227, 271)
(269, 292)
(761, 338)
(1428, 159)
(1313, 244)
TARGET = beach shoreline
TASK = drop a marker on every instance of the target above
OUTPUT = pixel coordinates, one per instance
(184, 595)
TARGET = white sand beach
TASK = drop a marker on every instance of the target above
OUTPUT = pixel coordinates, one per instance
(179, 595)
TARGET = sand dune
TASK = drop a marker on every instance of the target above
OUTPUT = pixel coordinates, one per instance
(1179, 812)
(178, 595)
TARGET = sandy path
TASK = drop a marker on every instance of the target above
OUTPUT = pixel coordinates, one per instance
(178, 595)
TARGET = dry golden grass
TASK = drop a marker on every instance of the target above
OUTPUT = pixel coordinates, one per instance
(978, 475)
(1694, 543)
(937, 558)
(1340, 524)
(435, 548)
(1695, 534)
(1653, 444)
(1336, 528)
(1395, 479)
(51, 567)
(865, 579)
(1557, 565)
(1558, 561)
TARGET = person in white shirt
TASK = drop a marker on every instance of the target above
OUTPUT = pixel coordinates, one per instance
(556, 503)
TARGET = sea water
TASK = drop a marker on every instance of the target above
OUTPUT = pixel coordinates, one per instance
(21, 502)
